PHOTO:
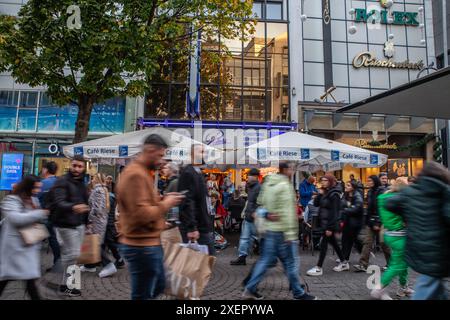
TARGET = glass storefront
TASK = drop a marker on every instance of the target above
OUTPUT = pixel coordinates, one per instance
(33, 111)
(240, 79)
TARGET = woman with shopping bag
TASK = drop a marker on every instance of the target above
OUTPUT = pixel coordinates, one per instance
(21, 236)
(97, 219)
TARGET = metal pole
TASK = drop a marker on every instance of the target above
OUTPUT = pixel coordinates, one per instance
(445, 52)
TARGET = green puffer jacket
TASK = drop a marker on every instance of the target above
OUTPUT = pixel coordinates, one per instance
(425, 207)
(277, 196)
(390, 220)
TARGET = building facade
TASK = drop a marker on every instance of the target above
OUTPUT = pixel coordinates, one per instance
(30, 124)
(305, 59)
(351, 50)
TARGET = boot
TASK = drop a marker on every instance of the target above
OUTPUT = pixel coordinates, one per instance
(239, 261)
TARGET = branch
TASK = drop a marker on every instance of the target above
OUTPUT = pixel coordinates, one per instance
(71, 68)
(152, 12)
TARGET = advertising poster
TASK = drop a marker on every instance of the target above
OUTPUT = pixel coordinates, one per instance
(12, 168)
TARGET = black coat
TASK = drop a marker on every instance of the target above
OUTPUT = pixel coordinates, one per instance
(425, 207)
(194, 215)
(353, 213)
(236, 206)
(68, 192)
(329, 208)
(373, 215)
(253, 192)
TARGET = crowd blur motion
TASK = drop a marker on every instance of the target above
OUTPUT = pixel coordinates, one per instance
(408, 219)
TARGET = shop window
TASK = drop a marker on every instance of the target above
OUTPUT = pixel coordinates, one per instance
(27, 111)
(257, 10)
(55, 118)
(274, 11)
(108, 116)
(8, 110)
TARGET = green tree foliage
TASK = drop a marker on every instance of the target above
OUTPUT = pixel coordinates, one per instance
(117, 50)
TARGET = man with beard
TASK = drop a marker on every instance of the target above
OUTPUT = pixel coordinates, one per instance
(142, 219)
(69, 211)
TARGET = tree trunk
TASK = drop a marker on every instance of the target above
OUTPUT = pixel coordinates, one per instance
(85, 106)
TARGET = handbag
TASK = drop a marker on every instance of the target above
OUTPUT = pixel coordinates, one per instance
(33, 234)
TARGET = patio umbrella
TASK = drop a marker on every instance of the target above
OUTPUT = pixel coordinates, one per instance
(312, 153)
(129, 144)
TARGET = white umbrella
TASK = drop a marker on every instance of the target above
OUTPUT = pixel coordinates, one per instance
(129, 144)
(313, 153)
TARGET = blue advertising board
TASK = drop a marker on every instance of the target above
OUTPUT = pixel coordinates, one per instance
(12, 168)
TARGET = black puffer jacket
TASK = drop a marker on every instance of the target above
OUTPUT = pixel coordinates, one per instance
(373, 216)
(329, 208)
(353, 212)
(68, 192)
(425, 206)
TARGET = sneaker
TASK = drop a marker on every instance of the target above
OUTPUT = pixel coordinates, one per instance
(342, 267)
(338, 260)
(316, 271)
(405, 292)
(305, 296)
(108, 270)
(239, 261)
(119, 264)
(380, 294)
(360, 268)
(85, 269)
(247, 295)
(69, 292)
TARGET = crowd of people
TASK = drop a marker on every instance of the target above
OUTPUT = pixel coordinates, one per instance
(408, 218)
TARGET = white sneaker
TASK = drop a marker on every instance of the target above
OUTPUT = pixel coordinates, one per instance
(84, 269)
(342, 267)
(108, 270)
(380, 294)
(316, 271)
(338, 260)
(405, 292)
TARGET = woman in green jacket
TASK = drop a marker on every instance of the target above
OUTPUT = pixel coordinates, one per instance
(395, 238)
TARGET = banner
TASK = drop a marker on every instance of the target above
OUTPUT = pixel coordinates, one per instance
(12, 168)
(100, 152)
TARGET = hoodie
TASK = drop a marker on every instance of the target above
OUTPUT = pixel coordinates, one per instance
(277, 196)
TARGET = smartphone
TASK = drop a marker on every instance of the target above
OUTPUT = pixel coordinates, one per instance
(184, 191)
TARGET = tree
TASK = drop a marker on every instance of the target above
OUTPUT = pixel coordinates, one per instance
(114, 53)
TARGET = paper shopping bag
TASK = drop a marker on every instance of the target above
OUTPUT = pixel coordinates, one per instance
(187, 271)
(171, 235)
(90, 250)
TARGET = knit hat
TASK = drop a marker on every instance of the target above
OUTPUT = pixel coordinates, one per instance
(253, 172)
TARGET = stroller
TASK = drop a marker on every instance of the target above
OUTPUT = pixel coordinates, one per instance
(220, 242)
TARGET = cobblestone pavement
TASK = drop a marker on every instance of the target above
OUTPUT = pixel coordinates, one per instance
(225, 283)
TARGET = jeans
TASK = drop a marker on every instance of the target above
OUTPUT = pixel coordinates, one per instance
(70, 240)
(324, 248)
(53, 242)
(206, 238)
(146, 271)
(248, 235)
(397, 264)
(430, 288)
(275, 246)
(368, 245)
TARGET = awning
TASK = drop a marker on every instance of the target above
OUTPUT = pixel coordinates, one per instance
(427, 97)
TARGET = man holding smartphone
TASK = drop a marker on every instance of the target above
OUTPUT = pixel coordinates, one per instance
(196, 223)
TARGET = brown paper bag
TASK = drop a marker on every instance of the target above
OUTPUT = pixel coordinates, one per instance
(90, 249)
(171, 235)
(187, 271)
